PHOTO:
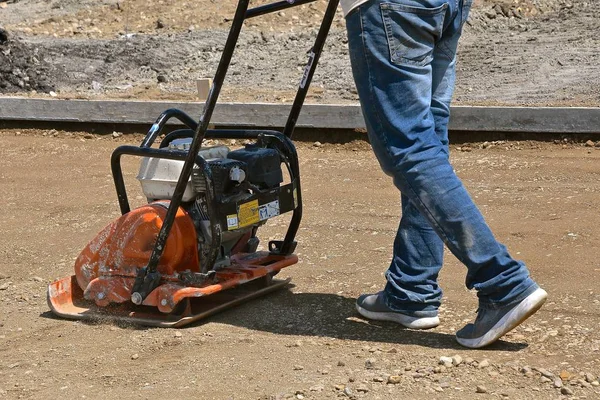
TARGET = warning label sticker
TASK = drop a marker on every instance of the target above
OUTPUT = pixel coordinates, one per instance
(248, 214)
(269, 210)
(232, 222)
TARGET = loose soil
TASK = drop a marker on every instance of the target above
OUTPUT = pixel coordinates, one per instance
(307, 341)
(530, 52)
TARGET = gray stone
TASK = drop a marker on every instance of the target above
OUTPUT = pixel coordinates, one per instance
(484, 363)
(362, 388)
(545, 373)
(589, 377)
(370, 363)
(566, 391)
(557, 383)
(446, 361)
(457, 360)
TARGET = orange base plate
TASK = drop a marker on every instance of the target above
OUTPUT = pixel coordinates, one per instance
(66, 300)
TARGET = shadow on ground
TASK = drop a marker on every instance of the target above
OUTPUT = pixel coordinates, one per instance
(333, 316)
(323, 315)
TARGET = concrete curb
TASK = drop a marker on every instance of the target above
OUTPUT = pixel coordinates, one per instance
(324, 116)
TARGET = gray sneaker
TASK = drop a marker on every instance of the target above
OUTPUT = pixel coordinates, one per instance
(372, 306)
(490, 325)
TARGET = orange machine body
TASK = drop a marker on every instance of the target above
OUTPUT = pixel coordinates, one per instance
(107, 267)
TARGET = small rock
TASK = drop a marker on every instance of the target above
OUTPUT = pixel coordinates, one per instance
(317, 388)
(317, 144)
(565, 375)
(348, 392)
(96, 86)
(545, 379)
(362, 388)
(135, 356)
(162, 78)
(160, 24)
(378, 379)
(595, 383)
(457, 360)
(484, 363)
(5, 285)
(394, 379)
(3, 35)
(481, 389)
(178, 334)
(116, 134)
(589, 377)
(52, 94)
(583, 383)
(339, 387)
(566, 391)
(557, 383)
(468, 360)
(341, 364)
(545, 373)
(298, 367)
(446, 361)
(590, 143)
(370, 363)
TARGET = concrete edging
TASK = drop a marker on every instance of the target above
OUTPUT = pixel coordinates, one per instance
(325, 116)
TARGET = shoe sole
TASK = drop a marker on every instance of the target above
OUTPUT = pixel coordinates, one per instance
(525, 309)
(404, 320)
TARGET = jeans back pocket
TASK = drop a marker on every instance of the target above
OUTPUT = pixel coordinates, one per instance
(412, 32)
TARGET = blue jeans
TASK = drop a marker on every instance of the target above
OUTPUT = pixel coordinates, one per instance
(403, 55)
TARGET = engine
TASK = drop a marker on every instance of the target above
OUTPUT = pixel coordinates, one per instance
(228, 198)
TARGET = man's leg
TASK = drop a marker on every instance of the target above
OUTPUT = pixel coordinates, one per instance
(418, 250)
(391, 48)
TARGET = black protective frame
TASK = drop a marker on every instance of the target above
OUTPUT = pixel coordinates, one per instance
(148, 278)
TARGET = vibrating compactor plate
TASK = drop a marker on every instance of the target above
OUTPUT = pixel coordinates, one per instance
(193, 250)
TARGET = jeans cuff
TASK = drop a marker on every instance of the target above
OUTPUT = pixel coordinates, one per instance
(417, 310)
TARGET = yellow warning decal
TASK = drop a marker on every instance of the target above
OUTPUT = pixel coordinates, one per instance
(248, 214)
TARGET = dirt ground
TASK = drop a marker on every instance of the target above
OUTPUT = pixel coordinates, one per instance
(306, 342)
(513, 52)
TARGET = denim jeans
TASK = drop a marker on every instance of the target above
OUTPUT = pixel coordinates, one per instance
(403, 55)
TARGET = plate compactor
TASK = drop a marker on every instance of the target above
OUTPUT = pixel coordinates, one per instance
(192, 250)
